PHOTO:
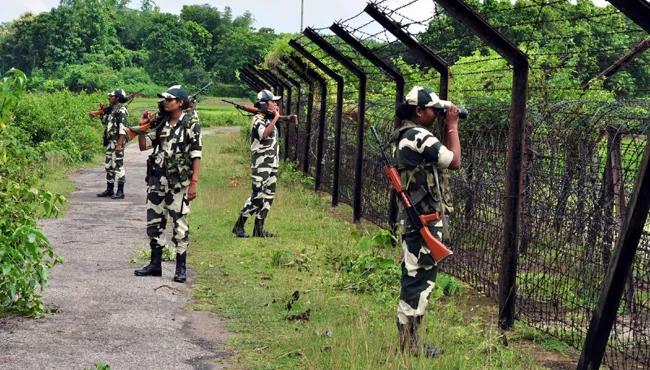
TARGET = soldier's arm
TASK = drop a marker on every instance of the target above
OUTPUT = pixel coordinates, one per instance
(196, 146)
(451, 139)
(270, 127)
(121, 117)
(419, 143)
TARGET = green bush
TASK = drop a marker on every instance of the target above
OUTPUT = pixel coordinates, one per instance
(25, 254)
(90, 77)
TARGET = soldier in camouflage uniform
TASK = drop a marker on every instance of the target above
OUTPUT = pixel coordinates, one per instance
(419, 156)
(264, 166)
(115, 119)
(173, 173)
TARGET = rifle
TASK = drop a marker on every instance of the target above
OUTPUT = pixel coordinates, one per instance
(195, 98)
(420, 222)
(104, 109)
(253, 110)
(158, 119)
(131, 96)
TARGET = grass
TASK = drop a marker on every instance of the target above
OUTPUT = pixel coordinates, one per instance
(251, 281)
(56, 180)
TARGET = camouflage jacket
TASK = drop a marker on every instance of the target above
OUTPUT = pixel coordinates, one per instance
(264, 152)
(115, 122)
(416, 153)
(174, 149)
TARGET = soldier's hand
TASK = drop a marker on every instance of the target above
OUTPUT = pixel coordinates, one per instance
(453, 114)
(147, 117)
(118, 149)
(191, 193)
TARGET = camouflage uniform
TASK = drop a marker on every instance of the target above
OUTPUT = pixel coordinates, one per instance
(419, 158)
(115, 123)
(169, 178)
(264, 166)
(416, 153)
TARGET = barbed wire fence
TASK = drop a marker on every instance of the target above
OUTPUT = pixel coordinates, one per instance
(581, 150)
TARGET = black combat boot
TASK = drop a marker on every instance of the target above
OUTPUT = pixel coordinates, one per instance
(239, 230)
(154, 268)
(180, 276)
(258, 230)
(408, 336)
(108, 192)
(120, 191)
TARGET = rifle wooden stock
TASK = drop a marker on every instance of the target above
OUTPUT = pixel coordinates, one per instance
(420, 222)
(97, 112)
(438, 250)
(132, 132)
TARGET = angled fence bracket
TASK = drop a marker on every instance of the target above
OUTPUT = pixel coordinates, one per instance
(331, 51)
(338, 115)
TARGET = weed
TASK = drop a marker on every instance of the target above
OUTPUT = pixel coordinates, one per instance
(169, 254)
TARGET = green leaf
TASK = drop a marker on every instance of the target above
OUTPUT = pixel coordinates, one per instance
(365, 244)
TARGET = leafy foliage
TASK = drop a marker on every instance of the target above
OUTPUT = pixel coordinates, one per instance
(96, 45)
(25, 254)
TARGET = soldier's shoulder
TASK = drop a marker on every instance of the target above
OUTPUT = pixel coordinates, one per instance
(413, 132)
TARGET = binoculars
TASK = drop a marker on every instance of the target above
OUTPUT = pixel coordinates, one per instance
(462, 115)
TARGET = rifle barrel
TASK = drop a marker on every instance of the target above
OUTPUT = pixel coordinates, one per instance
(381, 146)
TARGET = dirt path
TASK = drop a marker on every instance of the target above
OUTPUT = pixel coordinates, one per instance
(105, 312)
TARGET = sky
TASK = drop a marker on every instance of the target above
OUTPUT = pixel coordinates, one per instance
(281, 15)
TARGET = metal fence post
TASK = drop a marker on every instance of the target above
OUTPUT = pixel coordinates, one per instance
(610, 296)
(251, 85)
(396, 76)
(264, 77)
(278, 82)
(338, 116)
(321, 119)
(299, 90)
(330, 50)
(296, 84)
(636, 215)
(253, 77)
(312, 75)
(288, 86)
(310, 100)
(427, 56)
(508, 275)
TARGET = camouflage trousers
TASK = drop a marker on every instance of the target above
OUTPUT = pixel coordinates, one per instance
(160, 205)
(264, 181)
(419, 272)
(114, 164)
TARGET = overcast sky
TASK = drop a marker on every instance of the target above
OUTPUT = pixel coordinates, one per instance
(281, 15)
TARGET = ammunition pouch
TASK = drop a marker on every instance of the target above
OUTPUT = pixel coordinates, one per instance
(179, 170)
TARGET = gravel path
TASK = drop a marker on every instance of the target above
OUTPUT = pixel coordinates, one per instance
(105, 312)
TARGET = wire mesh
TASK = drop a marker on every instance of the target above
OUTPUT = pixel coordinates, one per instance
(584, 140)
